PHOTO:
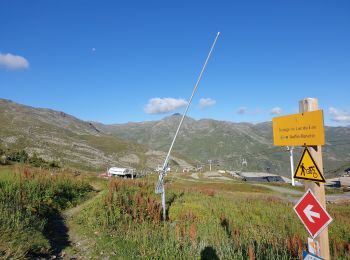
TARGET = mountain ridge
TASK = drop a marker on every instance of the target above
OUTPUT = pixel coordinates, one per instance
(229, 142)
(55, 135)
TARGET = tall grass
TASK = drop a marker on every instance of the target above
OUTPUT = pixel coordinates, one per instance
(204, 221)
(28, 198)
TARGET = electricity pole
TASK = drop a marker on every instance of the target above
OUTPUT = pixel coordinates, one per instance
(290, 149)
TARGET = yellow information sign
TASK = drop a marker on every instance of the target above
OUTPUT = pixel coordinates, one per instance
(307, 168)
(299, 129)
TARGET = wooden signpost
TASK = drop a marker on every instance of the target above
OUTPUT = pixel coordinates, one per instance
(307, 129)
(306, 105)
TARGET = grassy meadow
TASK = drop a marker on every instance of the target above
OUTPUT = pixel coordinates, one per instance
(30, 199)
(206, 219)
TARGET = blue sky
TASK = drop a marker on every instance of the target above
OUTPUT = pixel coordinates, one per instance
(120, 61)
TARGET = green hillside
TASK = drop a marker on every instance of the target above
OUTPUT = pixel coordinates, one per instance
(228, 143)
(54, 135)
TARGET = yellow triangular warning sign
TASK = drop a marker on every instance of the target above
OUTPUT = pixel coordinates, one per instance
(307, 168)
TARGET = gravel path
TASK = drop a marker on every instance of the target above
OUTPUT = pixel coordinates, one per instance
(285, 193)
(333, 198)
(281, 189)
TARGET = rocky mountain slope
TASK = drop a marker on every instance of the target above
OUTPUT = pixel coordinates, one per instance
(228, 143)
(54, 135)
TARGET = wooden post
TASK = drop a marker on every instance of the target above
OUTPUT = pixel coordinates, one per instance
(307, 105)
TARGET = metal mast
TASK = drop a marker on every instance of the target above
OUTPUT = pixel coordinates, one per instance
(160, 184)
(290, 149)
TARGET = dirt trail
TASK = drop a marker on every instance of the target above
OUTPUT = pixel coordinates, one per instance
(291, 195)
(280, 189)
(64, 240)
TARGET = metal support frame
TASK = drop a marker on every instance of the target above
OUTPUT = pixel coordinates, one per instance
(160, 185)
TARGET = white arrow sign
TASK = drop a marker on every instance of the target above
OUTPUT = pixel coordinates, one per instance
(309, 214)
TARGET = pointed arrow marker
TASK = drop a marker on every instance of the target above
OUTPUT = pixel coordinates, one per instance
(309, 214)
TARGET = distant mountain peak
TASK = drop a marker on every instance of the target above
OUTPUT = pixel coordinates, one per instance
(176, 117)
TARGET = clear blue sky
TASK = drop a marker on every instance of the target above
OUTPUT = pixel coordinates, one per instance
(106, 60)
